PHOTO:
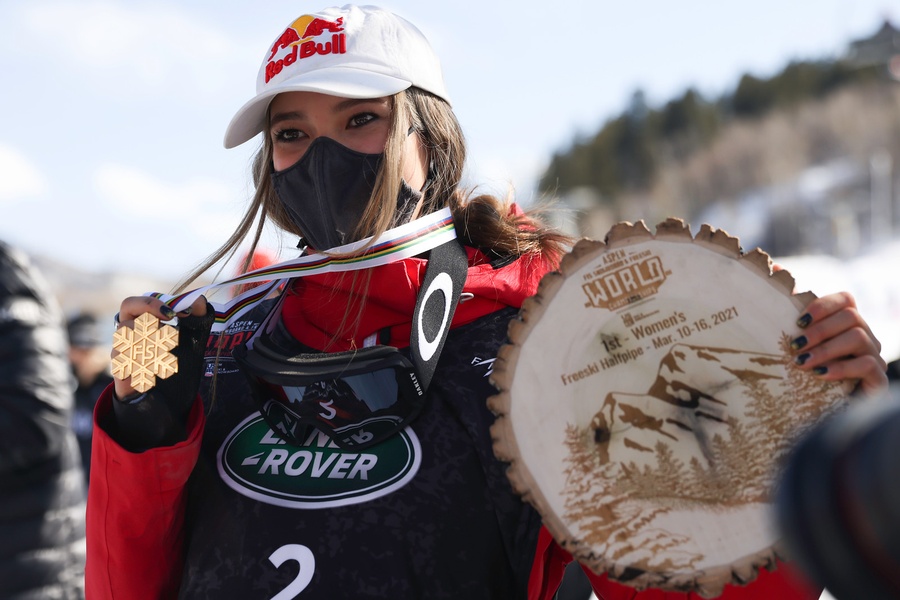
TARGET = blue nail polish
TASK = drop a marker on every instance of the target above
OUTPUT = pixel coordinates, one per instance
(820, 370)
(802, 358)
(799, 342)
(803, 321)
(167, 312)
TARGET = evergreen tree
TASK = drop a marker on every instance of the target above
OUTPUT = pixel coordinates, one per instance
(625, 154)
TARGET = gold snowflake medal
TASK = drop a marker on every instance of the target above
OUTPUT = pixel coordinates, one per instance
(143, 352)
(646, 398)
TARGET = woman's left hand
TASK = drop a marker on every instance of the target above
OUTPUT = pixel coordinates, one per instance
(836, 343)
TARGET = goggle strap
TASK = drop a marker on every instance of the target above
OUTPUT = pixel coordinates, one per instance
(445, 276)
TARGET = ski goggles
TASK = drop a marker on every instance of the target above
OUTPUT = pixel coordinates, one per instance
(360, 397)
(357, 398)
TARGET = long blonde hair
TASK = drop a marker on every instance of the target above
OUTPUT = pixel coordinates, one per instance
(483, 221)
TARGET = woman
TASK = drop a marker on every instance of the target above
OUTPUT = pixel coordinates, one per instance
(229, 493)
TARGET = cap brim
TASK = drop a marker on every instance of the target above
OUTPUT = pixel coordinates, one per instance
(345, 82)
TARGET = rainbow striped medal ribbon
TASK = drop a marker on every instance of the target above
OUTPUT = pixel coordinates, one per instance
(405, 241)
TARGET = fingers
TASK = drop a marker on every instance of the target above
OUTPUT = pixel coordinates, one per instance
(196, 309)
(135, 306)
(822, 308)
(866, 370)
(837, 344)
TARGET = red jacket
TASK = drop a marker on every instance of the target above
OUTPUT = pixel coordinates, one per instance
(550, 560)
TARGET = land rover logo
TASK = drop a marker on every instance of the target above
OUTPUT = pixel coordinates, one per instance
(256, 463)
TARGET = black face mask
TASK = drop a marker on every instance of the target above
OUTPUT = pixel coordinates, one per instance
(326, 192)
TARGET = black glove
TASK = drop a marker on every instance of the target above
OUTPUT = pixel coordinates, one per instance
(159, 417)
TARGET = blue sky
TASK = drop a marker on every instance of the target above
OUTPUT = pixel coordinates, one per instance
(112, 112)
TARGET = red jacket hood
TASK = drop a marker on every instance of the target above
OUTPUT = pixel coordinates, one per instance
(337, 311)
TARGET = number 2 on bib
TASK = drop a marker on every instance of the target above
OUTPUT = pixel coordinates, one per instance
(302, 555)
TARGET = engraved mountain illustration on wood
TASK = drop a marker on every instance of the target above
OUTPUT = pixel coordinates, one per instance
(696, 391)
(706, 435)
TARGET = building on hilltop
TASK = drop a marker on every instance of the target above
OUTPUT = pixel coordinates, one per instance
(880, 49)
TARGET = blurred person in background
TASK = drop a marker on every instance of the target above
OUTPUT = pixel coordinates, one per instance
(258, 259)
(89, 357)
(42, 543)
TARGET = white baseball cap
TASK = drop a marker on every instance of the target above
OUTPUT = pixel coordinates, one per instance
(351, 52)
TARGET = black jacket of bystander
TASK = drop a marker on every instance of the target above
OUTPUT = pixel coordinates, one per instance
(42, 543)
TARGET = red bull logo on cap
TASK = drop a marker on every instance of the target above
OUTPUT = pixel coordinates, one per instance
(299, 40)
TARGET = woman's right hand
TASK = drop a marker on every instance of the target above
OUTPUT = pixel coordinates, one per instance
(134, 306)
(160, 416)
